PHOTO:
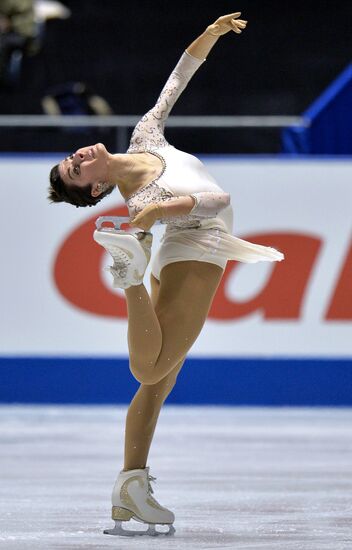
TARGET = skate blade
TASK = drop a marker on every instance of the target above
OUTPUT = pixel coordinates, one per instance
(117, 221)
(118, 530)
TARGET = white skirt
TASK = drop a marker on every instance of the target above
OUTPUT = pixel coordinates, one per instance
(209, 244)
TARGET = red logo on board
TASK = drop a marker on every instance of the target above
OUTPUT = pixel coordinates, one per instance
(78, 277)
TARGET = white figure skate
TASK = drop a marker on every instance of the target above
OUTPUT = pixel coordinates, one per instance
(132, 499)
(130, 250)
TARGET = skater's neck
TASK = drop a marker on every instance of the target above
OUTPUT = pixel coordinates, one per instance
(132, 171)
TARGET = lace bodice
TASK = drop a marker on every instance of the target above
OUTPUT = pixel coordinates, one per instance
(181, 174)
(207, 204)
(154, 192)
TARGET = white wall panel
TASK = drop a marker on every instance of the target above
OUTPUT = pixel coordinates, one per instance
(290, 199)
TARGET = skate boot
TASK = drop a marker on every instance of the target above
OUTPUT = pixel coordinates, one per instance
(132, 499)
(130, 249)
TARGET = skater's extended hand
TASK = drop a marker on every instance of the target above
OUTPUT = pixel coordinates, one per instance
(227, 23)
(147, 217)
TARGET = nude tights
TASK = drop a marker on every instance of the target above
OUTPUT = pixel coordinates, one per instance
(161, 330)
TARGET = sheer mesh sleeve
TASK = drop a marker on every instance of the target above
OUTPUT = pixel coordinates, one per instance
(208, 204)
(149, 131)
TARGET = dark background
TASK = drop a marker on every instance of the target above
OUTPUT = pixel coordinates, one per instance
(124, 51)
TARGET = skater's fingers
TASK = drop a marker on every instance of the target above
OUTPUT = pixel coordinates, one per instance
(142, 223)
(136, 220)
(230, 16)
(236, 29)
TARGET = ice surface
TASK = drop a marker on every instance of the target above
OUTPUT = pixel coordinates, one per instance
(240, 478)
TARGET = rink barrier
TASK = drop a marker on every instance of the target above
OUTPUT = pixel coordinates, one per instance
(211, 381)
(331, 110)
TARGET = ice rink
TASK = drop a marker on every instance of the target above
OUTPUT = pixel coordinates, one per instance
(241, 478)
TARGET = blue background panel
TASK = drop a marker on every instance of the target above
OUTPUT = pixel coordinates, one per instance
(216, 381)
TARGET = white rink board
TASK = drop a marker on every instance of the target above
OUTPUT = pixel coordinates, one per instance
(295, 197)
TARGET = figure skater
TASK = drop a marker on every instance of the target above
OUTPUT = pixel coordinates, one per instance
(159, 182)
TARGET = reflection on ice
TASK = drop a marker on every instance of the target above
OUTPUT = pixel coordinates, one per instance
(240, 478)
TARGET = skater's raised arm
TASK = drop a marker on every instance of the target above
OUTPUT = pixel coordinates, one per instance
(149, 132)
(85, 177)
(205, 42)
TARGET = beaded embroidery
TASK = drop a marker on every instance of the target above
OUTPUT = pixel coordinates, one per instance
(154, 192)
(163, 163)
(149, 131)
(148, 135)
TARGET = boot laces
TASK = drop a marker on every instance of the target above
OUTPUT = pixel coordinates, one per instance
(150, 480)
(121, 263)
(150, 491)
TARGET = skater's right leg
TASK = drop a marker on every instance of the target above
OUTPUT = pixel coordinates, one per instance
(160, 337)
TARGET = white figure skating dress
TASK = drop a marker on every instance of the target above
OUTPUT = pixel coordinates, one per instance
(206, 233)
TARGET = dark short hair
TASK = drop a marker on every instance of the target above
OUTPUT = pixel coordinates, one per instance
(59, 191)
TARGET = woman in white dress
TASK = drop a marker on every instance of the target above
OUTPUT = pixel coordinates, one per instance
(159, 182)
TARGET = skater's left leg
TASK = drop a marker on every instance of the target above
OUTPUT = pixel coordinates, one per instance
(142, 417)
(141, 420)
(143, 412)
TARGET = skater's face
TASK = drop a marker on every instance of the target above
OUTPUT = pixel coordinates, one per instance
(86, 166)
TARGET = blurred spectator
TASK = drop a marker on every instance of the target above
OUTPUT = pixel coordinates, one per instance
(74, 98)
(21, 33)
(50, 9)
